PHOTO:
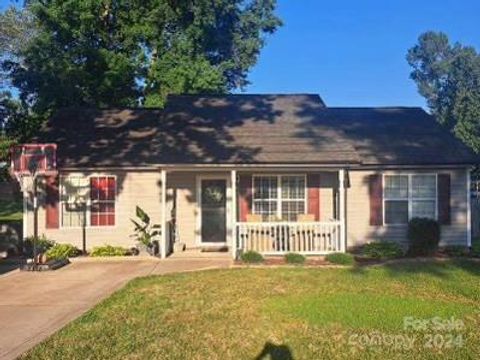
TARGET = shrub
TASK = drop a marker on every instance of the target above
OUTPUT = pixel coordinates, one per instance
(43, 244)
(423, 236)
(382, 250)
(294, 258)
(108, 250)
(62, 251)
(251, 257)
(475, 248)
(455, 250)
(340, 258)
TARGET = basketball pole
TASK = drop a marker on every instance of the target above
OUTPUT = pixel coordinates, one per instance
(35, 224)
(25, 163)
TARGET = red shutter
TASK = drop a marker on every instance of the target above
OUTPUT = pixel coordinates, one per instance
(51, 199)
(375, 188)
(244, 196)
(313, 186)
(443, 196)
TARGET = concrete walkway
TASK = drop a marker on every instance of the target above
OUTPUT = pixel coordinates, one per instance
(35, 305)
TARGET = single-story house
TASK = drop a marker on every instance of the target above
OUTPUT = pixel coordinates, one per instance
(271, 173)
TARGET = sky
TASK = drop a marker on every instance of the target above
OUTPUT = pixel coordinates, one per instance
(352, 52)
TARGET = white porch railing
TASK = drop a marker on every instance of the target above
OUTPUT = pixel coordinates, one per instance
(270, 238)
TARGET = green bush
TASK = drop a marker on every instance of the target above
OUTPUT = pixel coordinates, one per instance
(108, 250)
(423, 236)
(294, 258)
(340, 258)
(62, 251)
(455, 250)
(475, 251)
(382, 250)
(43, 244)
(251, 257)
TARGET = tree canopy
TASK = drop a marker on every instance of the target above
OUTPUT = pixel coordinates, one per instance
(135, 52)
(107, 53)
(16, 30)
(448, 76)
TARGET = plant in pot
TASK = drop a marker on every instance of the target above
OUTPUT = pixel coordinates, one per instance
(145, 233)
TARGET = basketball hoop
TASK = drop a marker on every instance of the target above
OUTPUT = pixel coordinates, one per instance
(28, 162)
(33, 160)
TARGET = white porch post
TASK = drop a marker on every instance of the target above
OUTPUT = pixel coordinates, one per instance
(342, 215)
(469, 209)
(25, 215)
(163, 241)
(233, 186)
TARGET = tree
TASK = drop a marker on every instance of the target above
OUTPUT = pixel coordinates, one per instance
(11, 112)
(17, 28)
(448, 76)
(136, 52)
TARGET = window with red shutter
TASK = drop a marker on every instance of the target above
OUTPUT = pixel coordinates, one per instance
(409, 196)
(279, 197)
(102, 200)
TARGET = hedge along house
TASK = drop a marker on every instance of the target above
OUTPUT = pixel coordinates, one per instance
(271, 173)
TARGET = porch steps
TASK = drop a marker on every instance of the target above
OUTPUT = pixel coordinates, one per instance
(198, 253)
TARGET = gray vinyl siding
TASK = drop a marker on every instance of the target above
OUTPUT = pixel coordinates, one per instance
(359, 230)
(142, 188)
(328, 191)
(182, 188)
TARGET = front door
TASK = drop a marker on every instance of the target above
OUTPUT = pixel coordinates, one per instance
(213, 208)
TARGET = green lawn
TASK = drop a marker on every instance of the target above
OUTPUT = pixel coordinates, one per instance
(11, 210)
(297, 312)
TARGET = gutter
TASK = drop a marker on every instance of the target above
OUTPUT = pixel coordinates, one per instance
(186, 167)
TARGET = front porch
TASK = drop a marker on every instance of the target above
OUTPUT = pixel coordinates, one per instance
(276, 238)
(272, 212)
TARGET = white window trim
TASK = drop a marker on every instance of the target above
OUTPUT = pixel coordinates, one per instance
(409, 197)
(88, 202)
(279, 199)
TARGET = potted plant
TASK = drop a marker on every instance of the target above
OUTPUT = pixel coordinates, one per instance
(145, 233)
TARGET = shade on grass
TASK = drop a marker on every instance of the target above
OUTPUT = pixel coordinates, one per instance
(276, 313)
(11, 210)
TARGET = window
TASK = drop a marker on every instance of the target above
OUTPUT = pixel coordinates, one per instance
(279, 196)
(88, 201)
(396, 199)
(293, 197)
(409, 196)
(424, 196)
(102, 196)
(265, 196)
(73, 201)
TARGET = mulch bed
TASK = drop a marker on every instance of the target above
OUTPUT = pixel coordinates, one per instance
(276, 261)
(49, 265)
(359, 260)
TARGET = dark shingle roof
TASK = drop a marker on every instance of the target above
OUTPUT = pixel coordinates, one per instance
(397, 136)
(251, 129)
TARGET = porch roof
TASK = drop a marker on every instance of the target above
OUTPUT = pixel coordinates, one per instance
(250, 129)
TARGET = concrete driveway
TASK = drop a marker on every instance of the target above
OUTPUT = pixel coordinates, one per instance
(35, 305)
